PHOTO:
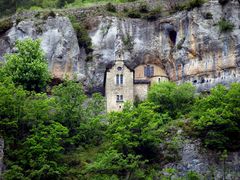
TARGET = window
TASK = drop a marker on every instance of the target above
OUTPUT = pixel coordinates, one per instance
(148, 71)
(119, 68)
(119, 98)
(159, 80)
(119, 79)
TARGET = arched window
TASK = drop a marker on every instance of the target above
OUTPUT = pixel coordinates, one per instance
(148, 71)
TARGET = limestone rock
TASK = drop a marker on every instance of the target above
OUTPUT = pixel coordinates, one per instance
(187, 45)
(58, 41)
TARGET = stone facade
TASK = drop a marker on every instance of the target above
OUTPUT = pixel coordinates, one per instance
(118, 86)
(123, 84)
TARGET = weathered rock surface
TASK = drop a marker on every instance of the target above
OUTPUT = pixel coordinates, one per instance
(58, 41)
(208, 163)
(188, 45)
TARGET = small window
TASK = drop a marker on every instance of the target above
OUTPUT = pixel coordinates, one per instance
(119, 68)
(148, 71)
(119, 79)
(119, 98)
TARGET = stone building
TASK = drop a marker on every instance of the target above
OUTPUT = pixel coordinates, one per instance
(125, 84)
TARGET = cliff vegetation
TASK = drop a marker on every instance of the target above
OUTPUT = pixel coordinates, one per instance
(57, 132)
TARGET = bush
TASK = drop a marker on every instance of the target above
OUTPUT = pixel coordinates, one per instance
(143, 8)
(191, 4)
(82, 35)
(110, 7)
(208, 15)
(225, 26)
(154, 13)
(216, 118)
(5, 25)
(134, 14)
(171, 98)
(28, 67)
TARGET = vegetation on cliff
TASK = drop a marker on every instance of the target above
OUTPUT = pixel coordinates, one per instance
(68, 135)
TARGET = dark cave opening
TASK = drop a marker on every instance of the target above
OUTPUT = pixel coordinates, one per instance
(173, 36)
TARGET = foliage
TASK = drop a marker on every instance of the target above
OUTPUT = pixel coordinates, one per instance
(154, 13)
(110, 7)
(208, 15)
(191, 4)
(128, 42)
(78, 114)
(28, 67)
(62, 3)
(217, 116)
(5, 24)
(179, 5)
(44, 151)
(225, 26)
(133, 14)
(171, 98)
(134, 138)
(83, 39)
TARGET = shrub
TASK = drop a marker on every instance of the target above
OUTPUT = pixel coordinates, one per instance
(216, 118)
(47, 14)
(154, 13)
(171, 98)
(208, 15)
(191, 4)
(128, 42)
(110, 7)
(143, 8)
(225, 26)
(5, 25)
(82, 35)
(28, 67)
(133, 14)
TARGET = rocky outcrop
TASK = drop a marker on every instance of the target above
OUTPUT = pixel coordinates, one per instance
(188, 45)
(58, 41)
(213, 165)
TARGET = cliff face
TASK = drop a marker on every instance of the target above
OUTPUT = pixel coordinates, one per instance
(188, 45)
(58, 41)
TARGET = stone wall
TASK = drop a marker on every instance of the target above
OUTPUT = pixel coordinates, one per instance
(140, 91)
(112, 89)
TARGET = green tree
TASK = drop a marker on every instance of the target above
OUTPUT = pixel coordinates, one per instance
(43, 151)
(216, 118)
(77, 113)
(171, 98)
(28, 67)
(134, 136)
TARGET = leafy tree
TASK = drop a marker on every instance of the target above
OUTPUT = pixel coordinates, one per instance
(44, 151)
(171, 98)
(11, 108)
(77, 113)
(134, 138)
(28, 67)
(217, 118)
